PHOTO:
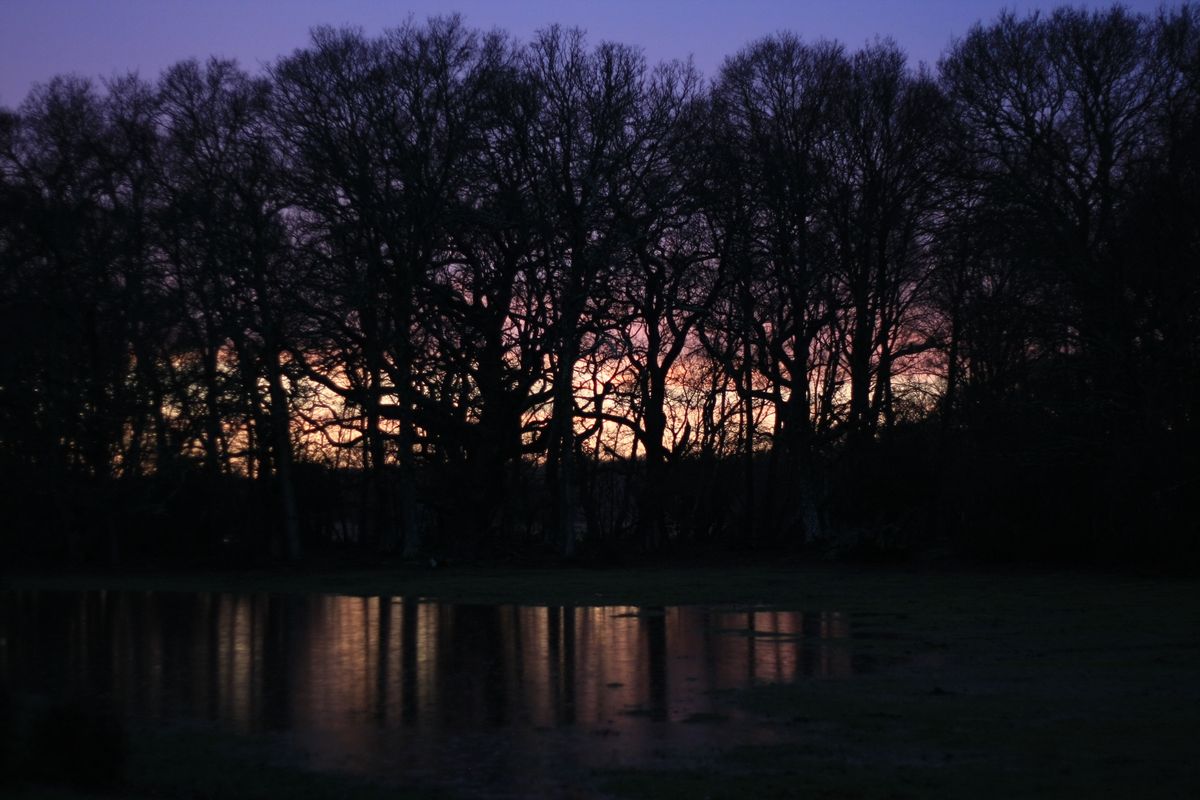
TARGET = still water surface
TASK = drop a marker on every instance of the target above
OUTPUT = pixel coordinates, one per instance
(507, 697)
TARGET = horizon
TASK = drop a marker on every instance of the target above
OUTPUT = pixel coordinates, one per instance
(144, 37)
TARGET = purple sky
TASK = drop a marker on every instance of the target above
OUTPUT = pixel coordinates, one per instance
(100, 38)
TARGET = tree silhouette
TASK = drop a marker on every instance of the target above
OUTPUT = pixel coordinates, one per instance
(437, 291)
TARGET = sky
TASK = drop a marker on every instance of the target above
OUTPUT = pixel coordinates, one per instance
(106, 38)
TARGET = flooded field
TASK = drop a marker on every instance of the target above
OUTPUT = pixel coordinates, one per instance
(508, 697)
(883, 684)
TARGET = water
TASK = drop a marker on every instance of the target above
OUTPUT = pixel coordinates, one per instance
(512, 698)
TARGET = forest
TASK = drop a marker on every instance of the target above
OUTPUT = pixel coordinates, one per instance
(442, 293)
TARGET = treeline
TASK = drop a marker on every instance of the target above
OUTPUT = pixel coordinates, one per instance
(438, 291)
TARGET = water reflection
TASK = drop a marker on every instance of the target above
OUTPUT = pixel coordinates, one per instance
(394, 683)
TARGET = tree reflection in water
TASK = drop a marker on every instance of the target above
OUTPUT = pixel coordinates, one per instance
(401, 685)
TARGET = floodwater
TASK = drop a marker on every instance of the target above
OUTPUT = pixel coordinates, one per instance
(511, 698)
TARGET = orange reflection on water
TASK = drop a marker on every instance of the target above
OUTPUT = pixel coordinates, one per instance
(348, 670)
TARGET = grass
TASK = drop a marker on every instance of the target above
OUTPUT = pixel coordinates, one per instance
(892, 736)
(988, 684)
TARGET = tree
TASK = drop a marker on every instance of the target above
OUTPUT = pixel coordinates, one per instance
(377, 136)
(225, 237)
(775, 100)
(882, 197)
(582, 146)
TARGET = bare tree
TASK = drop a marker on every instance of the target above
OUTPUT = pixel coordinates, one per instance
(584, 137)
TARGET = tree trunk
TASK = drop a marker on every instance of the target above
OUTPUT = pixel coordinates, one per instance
(282, 444)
